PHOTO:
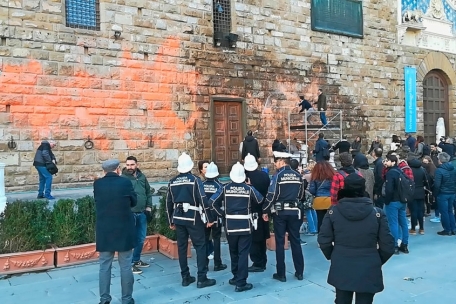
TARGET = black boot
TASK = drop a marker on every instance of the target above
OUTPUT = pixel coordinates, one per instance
(220, 267)
(206, 283)
(246, 287)
(188, 280)
(403, 248)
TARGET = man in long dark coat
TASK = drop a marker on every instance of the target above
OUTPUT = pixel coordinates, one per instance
(115, 229)
(260, 181)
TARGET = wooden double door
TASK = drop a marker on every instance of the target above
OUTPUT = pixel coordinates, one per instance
(227, 134)
(435, 104)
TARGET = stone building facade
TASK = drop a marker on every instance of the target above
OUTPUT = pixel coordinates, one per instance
(146, 78)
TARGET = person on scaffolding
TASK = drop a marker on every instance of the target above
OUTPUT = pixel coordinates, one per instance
(307, 106)
(322, 107)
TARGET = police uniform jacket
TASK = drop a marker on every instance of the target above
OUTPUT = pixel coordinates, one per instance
(186, 188)
(234, 202)
(211, 185)
(286, 187)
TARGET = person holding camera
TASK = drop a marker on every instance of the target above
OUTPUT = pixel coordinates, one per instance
(142, 210)
(285, 192)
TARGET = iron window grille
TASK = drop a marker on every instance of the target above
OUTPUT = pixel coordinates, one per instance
(222, 21)
(83, 14)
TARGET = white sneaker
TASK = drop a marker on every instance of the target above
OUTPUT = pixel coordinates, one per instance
(211, 257)
(435, 220)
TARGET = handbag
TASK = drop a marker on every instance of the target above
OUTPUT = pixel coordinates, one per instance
(319, 203)
(52, 168)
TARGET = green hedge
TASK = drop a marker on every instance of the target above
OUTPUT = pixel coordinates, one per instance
(25, 226)
(32, 225)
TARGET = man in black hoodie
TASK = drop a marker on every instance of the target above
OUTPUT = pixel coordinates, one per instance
(250, 145)
(378, 180)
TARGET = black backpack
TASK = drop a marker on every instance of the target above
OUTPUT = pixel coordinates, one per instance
(406, 187)
(326, 153)
(426, 150)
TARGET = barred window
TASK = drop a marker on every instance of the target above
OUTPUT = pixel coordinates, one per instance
(222, 21)
(84, 14)
(222, 15)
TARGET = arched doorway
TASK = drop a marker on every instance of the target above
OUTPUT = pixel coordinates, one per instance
(435, 103)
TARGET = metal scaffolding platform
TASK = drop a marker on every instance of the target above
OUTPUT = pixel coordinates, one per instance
(296, 122)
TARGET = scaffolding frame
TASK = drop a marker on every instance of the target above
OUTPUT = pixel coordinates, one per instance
(304, 151)
(316, 130)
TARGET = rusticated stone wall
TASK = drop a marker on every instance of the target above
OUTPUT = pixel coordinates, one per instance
(157, 80)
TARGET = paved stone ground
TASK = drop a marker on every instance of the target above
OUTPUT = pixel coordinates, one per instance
(430, 264)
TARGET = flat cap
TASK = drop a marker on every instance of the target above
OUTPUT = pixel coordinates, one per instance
(110, 165)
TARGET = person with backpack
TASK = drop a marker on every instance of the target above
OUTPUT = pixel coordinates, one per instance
(419, 147)
(444, 191)
(321, 148)
(356, 238)
(337, 181)
(395, 203)
(416, 207)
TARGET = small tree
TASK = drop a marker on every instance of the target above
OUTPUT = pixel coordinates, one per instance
(152, 225)
(162, 221)
(86, 219)
(66, 228)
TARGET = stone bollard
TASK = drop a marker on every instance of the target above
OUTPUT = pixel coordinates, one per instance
(2, 187)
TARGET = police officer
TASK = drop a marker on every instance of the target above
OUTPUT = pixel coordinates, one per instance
(260, 181)
(211, 185)
(186, 206)
(237, 198)
(285, 191)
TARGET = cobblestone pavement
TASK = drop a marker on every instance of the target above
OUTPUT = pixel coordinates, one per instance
(430, 267)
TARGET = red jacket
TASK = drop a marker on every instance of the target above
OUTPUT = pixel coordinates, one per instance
(403, 165)
(337, 183)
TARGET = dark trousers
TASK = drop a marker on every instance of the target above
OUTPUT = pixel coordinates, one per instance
(416, 213)
(258, 253)
(196, 233)
(216, 234)
(290, 224)
(379, 202)
(320, 215)
(346, 297)
(239, 246)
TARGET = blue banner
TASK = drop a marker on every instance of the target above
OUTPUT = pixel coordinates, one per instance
(410, 99)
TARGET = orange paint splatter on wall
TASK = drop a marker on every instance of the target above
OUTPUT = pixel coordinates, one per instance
(139, 95)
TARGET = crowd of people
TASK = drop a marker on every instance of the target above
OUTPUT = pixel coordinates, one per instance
(351, 207)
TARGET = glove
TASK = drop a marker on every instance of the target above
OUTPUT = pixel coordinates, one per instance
(148, 216)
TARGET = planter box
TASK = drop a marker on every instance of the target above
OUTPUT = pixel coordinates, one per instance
(78, 254)
(168, 248)
(26, 261)
(150, 244)
(271, 243)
